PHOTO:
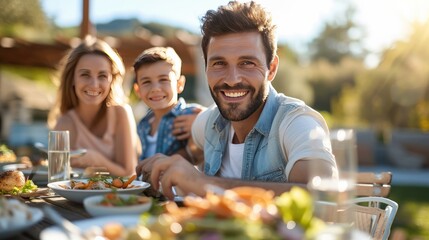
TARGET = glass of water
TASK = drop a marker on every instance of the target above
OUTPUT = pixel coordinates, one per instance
(58, 156)
(332, 196)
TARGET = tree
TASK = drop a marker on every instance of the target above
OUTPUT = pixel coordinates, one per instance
(339, 38)
(290, 77)
(396, 93)
(22, 18)
(330, 80)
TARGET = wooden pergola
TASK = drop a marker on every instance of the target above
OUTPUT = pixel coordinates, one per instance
(24, 53)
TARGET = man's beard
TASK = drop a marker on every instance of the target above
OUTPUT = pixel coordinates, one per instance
(231, 111)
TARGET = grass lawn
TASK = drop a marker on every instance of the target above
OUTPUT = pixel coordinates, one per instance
(413, 212)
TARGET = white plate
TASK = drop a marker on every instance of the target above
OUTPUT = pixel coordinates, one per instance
(36, 216)
(84, 225)
(78, 195)
(93, 207)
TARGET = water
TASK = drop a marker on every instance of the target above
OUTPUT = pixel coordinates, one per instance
(332, 204)
(58, 166)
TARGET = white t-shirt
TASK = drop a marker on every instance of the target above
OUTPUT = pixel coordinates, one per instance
(232, 160)
(151, 144)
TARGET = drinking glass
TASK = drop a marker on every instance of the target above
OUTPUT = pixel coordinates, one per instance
(58, 156)
(332, 196)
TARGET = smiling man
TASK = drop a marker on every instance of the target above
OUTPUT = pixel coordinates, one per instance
(253, 136)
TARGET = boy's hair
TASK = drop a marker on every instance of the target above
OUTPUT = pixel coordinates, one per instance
(236, 17)
(156, 54)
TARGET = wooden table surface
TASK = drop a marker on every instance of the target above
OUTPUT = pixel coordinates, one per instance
(68, 209)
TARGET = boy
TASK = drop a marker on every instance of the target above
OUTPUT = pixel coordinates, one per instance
(158, 83)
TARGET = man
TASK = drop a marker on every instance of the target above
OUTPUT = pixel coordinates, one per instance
(253, 136)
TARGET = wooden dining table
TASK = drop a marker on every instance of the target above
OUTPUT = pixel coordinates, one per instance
(72, 211)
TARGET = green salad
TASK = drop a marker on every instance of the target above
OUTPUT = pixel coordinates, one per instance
(28, 187)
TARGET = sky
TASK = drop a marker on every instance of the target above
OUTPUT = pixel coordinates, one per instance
(298, 21)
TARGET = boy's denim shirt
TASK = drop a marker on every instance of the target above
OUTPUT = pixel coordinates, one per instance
(166, 143)
(263, 158)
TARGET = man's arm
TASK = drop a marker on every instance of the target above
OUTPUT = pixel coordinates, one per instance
(176, 171)
(304, 142)
(277, 187)
(299, 176)
(192, 153)
(196, 155)
(304, 169)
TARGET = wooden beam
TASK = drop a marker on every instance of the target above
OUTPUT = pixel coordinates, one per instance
(86, 27)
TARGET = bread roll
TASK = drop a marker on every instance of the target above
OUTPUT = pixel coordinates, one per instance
(11, 179)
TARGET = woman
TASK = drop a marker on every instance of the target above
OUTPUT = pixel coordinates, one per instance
(91, 104)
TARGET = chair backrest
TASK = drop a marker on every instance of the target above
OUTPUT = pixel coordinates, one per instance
(373, 184)
(371, 215)
(375, 215)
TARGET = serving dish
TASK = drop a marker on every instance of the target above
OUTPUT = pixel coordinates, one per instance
(78, 195)
(93, 205)
(36, 216)
(56, 233)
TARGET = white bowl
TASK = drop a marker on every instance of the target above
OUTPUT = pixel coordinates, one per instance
(85, 225)
(93, 207)
(78, 195)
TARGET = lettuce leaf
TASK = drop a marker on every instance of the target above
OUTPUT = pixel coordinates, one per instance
(28, 187)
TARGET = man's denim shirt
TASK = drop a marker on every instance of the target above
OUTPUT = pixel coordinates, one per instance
(166, 143)
(263, 158)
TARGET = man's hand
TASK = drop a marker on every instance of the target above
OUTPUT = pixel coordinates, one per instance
(166, 172)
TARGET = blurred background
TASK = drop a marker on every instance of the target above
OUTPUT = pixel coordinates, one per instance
(362, 64)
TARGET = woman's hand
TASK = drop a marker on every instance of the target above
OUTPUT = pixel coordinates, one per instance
(87, 160)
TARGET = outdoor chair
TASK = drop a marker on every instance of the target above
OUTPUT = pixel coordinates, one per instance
(375, 215)
(371, 215)
(373, 184)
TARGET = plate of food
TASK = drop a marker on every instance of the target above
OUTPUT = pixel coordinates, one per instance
(116, 204)
(38, 174)
(13, 182)
(16, 217)
(77, 190)
(110, 227)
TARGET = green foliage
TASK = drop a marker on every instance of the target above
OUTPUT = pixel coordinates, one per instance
(413, 210)
(395, 94)
(122, 27)
(23, 18)
(288, 54)
(339, 38)
(333, 83)
(290, 80)
(128, 27)
(297, 205)
(5, 150)
(40, 75)
(291, 77)
(25, 12)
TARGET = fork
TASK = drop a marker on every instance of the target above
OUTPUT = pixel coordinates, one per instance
(72, 231)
